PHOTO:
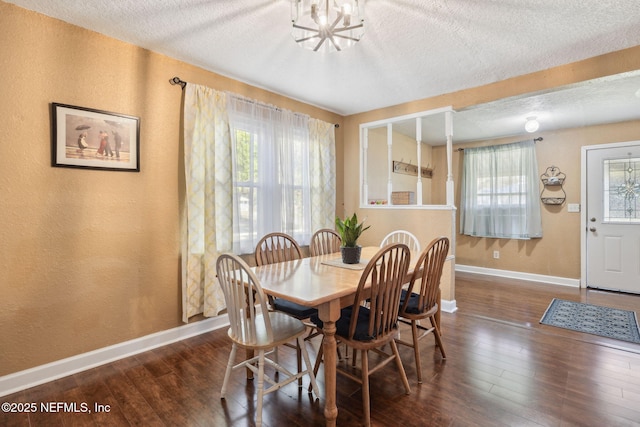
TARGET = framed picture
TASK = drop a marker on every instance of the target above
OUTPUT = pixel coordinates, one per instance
(94, 139)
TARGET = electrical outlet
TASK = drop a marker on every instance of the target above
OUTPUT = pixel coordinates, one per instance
(496, 254)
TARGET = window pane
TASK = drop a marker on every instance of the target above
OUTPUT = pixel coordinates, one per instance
(622, 190)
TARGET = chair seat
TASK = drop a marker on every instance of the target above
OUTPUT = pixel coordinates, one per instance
(413, 307)
(294, 309)
(283, 326)
(414, 301)
(342, 325)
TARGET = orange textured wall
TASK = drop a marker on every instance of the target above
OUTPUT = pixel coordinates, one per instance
(91, 258)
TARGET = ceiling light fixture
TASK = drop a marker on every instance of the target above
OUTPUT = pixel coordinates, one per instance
(327, 25)
(531, 124)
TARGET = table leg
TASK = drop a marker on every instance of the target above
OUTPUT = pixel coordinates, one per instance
(329, 313)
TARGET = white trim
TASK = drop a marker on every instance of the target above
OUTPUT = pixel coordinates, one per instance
(32, 377)
(422, 207)
(420, 114)
(553, 280)
(448, 306)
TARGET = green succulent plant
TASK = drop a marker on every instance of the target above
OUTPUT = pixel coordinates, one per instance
(350, 230)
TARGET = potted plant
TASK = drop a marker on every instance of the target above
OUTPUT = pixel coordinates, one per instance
(350, 231)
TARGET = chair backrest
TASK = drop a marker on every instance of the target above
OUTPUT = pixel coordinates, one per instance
(325, 241)
(402, 236)
(277, 247)
(386, 272)
(242, 293)
(428, 270)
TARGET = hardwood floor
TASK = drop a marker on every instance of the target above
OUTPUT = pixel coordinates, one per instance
(503, 369)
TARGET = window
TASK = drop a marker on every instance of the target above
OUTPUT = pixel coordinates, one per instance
(397, 157)
(271, 192)
(499, 195)
(622, 190)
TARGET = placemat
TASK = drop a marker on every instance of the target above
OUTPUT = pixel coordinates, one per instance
(337, 262)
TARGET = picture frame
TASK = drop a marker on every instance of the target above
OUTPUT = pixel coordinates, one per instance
(94, 139)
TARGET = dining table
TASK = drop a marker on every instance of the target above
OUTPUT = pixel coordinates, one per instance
(326, 283)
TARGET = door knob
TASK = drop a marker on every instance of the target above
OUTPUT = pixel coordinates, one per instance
(593, 220)
(592, 229)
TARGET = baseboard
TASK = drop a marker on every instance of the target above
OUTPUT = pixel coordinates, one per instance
(448, 306)
(32, 377)
(554, 280)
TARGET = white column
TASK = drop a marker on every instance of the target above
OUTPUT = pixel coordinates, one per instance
(449, 131)
(390, 162)
(419, 150)
(365, 184)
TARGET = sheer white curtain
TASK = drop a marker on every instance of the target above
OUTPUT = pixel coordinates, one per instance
(271, 174)
(500, 192)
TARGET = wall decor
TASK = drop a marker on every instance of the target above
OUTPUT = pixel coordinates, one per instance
(552, 192)
(409, 169)
(94, 139)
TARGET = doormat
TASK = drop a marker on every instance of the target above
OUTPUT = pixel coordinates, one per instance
(593, 319)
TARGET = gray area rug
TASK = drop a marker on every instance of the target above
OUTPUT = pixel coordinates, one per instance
(593, 319)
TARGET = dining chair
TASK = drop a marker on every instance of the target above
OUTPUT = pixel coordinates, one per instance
(279, 247)
(370, 328)
(325, 241)
(260, 332)
(402, 236)
(422, 303)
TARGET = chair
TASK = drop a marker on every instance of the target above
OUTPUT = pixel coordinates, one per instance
(277, 247)
(423, 303)
(370, 328)
(280, 247)
(257, 331)
(402, 236)
(325, 241)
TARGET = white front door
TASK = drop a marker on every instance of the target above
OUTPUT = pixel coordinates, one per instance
(612, 216)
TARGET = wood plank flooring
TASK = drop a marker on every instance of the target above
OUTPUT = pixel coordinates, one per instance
(503, 369)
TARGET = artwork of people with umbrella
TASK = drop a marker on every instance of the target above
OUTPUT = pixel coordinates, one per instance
(96, 139)
(82, 139)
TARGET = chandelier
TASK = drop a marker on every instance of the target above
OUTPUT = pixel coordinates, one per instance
(327, 25)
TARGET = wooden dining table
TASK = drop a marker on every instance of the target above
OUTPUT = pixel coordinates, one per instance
(326, 283)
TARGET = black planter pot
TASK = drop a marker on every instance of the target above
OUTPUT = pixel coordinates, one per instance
(351, 255)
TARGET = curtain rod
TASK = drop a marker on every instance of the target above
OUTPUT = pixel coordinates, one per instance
(538, 139)
(177, 81)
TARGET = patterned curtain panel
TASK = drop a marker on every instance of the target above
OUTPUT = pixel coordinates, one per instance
(207, 230)
(322, 170)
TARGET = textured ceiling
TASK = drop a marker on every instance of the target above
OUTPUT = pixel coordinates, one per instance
(412, 49)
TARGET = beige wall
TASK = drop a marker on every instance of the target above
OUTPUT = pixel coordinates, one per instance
(91, 258)
(558, 252)
(403, 150)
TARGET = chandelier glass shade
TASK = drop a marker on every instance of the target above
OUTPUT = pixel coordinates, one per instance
(327, 25)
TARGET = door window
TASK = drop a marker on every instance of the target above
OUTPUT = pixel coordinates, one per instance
(622, 190)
